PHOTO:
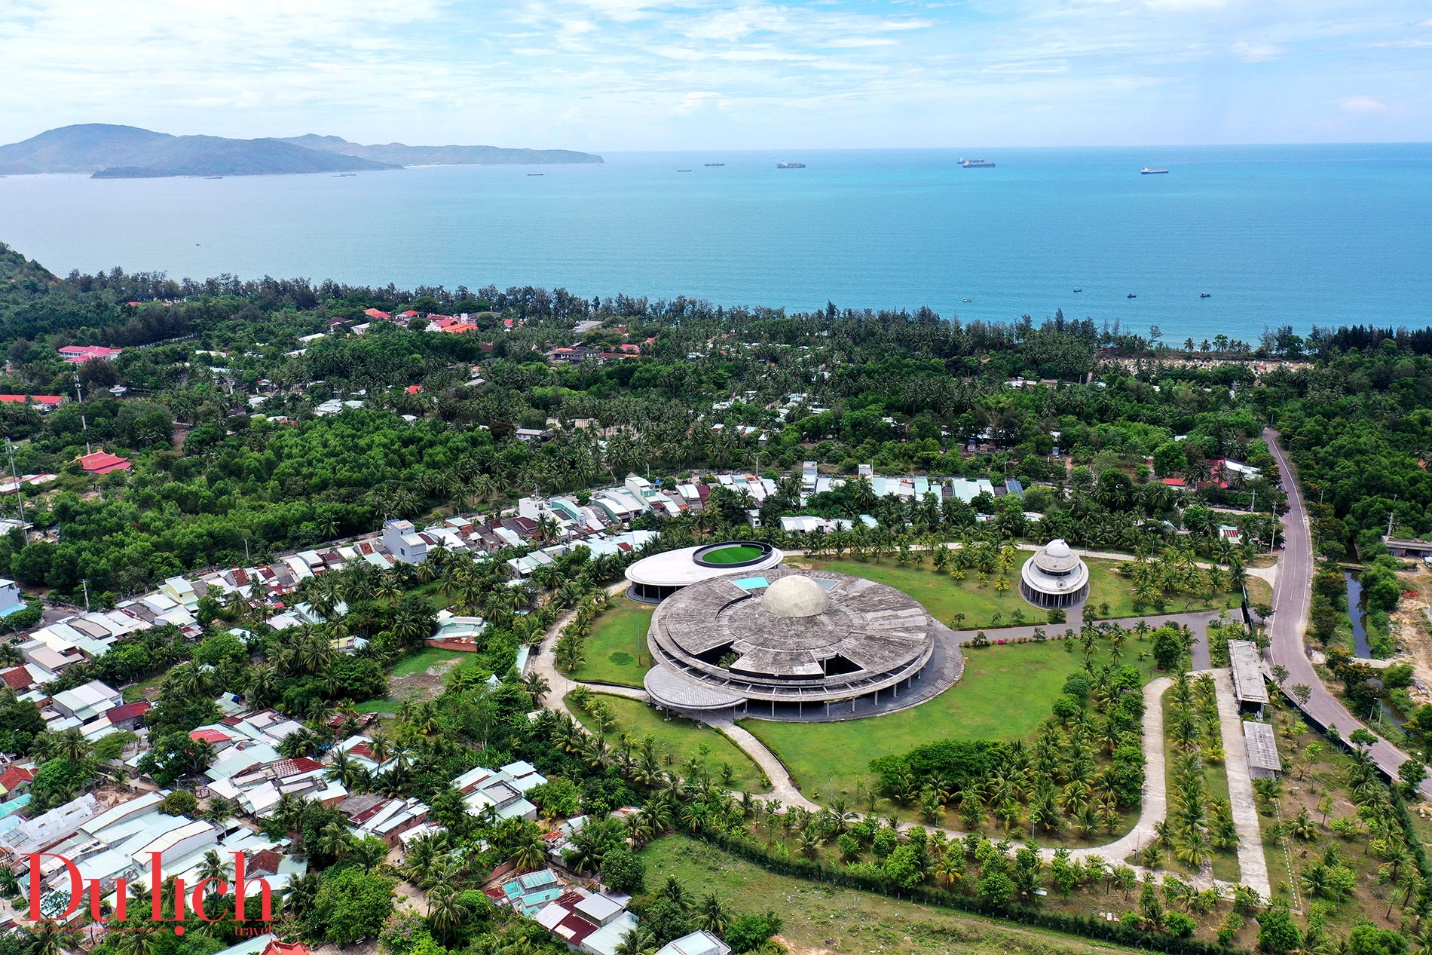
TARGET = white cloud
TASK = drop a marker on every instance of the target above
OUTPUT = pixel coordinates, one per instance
(632, 74)
(1257, 52)
(1362, 104)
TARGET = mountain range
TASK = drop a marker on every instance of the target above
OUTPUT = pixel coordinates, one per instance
(128, 152)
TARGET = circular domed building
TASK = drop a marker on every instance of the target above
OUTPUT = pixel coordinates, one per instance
(653, 579)
(1054, 577)
(787, 641)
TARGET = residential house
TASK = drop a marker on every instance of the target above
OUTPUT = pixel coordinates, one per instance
(102, 462)
(11, 599)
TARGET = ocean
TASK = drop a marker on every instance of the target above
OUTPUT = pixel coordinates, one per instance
(1277, 235)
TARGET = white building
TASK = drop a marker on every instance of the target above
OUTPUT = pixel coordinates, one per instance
(10, 597)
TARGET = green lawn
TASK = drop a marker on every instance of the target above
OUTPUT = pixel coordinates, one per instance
(679, 738)
(941, 595)
(1005, 693)
(617, 637)
(731, 555)
(818, 918)
(423, 659)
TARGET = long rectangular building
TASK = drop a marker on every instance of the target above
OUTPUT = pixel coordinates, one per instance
(1248, 687)
(1262, 749)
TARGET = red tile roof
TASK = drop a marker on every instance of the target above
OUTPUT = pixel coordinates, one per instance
(15, 776)
(102, 462)
(17, 678)
(79, 354)
(285, 948)
(265, 862)
(375, 313)
(295, 767)
(126, 711)
(37, 399)
(209, 736)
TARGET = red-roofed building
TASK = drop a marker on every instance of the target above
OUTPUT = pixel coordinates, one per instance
(264, 863)
(415, 389)
(79, 354)
(102, 462)
(285, 948)
(128, 715)
(43, 402)
(631, 349)
(15, 780)
(1175, 482)
(17, 679)
(408, 314)
(210, 736)
(295, 767)
(375, 313)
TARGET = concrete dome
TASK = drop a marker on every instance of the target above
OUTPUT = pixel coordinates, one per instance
(1056, 558)
(795, 596)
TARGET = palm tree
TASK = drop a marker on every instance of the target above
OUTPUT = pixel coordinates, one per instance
(711, 914)
(530, 853)
(637, 941)
(215, 868)
(536, 686)
(445, 913)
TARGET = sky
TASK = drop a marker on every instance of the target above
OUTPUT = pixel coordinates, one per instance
(613, 75)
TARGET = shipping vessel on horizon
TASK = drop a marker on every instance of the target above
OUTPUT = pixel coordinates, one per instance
(790, 165)
(1146, 171)
(976, 164)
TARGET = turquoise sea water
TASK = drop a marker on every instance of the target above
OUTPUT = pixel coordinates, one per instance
(1296, 235)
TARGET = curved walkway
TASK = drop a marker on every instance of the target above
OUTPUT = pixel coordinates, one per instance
(1153, 806)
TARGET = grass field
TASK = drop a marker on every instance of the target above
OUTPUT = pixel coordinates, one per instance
(422, 660)
(617, 637)
(942, 596)
(980, 602)
(1005, 693)
(681, 739)
(819, 919)
(731, 555)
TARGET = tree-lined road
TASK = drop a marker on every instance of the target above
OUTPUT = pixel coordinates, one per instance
(1292, 600)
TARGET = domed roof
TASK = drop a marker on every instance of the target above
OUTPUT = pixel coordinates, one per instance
(1056, 558)
(795, 596)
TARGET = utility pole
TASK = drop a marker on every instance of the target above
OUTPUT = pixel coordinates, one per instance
(85, 583)
(19, 495)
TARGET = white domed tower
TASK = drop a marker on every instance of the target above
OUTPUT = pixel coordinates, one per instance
(1054, 577)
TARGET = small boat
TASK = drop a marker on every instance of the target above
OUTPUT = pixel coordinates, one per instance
(683, 170)
(536, 174)
(1205, 294)
(1146, 171)
(213, 177)
(1131, 295)
(345, 175)
(790, 165)
(1078, 290)
(964, 300)
(709, 164)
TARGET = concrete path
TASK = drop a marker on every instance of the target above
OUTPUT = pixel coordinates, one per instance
(1154, 806)
(544, 661)
(782, 787)
(1252, 864)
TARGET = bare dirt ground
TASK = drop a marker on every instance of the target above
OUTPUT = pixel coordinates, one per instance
(426, 685)
(1411, 630)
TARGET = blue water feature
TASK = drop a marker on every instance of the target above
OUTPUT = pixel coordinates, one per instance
(1355, 615)
(1296, 235)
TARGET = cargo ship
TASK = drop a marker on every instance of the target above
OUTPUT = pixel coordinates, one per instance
(976, 164)
(790, 165)
(1146, 171)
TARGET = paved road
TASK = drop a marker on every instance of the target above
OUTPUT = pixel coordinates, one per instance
(1292, 600)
